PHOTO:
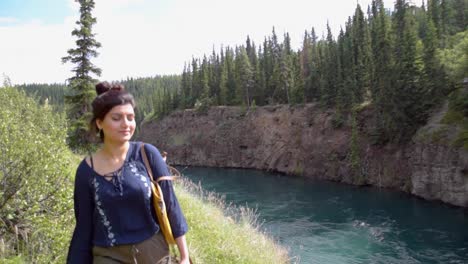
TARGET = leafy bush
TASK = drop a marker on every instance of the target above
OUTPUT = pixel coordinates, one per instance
(455, 57)
(202, 106)
(35, 204)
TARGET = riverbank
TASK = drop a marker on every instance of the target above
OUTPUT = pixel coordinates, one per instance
(303, 141)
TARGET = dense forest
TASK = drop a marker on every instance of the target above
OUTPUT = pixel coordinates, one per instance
(399, 63)
(392, 61)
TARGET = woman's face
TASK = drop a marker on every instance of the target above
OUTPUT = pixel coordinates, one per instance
(119, 123)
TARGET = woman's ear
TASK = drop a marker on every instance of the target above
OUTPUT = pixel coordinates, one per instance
(98, 124)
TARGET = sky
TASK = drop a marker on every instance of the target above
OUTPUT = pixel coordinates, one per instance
(144, 38)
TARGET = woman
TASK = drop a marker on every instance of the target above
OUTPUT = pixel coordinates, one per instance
(115, 219)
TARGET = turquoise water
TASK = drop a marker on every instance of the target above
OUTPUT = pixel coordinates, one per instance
(328, 223)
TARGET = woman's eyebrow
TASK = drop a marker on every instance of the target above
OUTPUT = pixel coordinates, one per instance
(120, 114)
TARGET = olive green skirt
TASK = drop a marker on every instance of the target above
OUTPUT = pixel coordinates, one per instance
(150, 251)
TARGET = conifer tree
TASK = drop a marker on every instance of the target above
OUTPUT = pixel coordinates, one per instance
(361, 56)
(345, 80)
(305, 65)
(286, 71)
(460, 8)
(382, 90)
(186, 87)
(407, 111)
(222, 80)
(231, 84)
(81, 85)
(434, 12)
(204, 79)
(328, 93)
(245, 77)
(260, 96)
(213, 77)
(196, 83)
(298, 96)
(316, 69)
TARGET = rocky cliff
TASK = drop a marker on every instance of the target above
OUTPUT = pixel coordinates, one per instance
(302, 141)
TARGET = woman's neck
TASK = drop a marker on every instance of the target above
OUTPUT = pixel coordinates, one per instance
(115, 152)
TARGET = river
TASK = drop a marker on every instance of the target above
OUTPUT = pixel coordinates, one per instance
(330, 223)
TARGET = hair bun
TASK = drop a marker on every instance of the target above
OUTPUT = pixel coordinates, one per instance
(103, 87)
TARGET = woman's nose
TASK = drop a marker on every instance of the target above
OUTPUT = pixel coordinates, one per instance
(125, 122)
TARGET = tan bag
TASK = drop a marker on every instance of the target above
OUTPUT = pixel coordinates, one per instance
(158, 200)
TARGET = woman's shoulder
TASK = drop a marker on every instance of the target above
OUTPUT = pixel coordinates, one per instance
(148, 147)
(83, 171)
(151, 151)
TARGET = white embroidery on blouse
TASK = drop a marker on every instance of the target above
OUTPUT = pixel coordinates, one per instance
(104, 219)
(142, 178)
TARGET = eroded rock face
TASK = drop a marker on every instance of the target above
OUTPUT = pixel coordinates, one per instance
(439, 173)
(279, 138)
(302, 141)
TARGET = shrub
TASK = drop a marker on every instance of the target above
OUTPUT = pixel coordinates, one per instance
(34, 176)
(202, 106)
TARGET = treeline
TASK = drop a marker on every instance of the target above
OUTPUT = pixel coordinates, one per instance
(53, 94)
(154, 95)
(387, 60)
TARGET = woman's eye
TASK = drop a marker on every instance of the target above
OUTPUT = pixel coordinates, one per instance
(116, 118)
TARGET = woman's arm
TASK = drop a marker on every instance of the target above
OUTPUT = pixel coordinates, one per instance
(183, 249)
(174, 212)
(81, 243)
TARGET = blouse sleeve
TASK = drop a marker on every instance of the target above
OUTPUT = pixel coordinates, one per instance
(81, 242)
(159, 167)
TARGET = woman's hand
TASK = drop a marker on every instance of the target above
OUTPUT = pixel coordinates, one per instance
(184, 261)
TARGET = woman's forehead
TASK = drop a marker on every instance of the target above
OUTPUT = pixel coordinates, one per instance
(122, 109)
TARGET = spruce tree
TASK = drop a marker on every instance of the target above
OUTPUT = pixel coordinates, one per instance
(286, 71)
(196, 90)
(407, 111)
(245, 77)
(361, 56)
(382, 89)
(186, 87)
(328, 93)
(305, 65)
(231, 84)
(81, 85)
(260, 98)
(316, 69)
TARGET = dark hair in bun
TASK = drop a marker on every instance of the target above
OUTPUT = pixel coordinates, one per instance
(104, 87)
(108, 96)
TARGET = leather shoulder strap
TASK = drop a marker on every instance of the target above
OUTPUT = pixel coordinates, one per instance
(145, 160)
(148, 167)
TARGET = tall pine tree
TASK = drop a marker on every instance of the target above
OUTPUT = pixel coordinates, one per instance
(82, 83)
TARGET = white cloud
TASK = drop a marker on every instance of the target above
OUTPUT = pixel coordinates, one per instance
(8, 20)
(145, 38)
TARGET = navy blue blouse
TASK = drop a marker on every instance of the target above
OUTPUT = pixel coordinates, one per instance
(119, 211)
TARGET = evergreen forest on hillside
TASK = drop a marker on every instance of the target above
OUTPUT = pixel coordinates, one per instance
(399, 63)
